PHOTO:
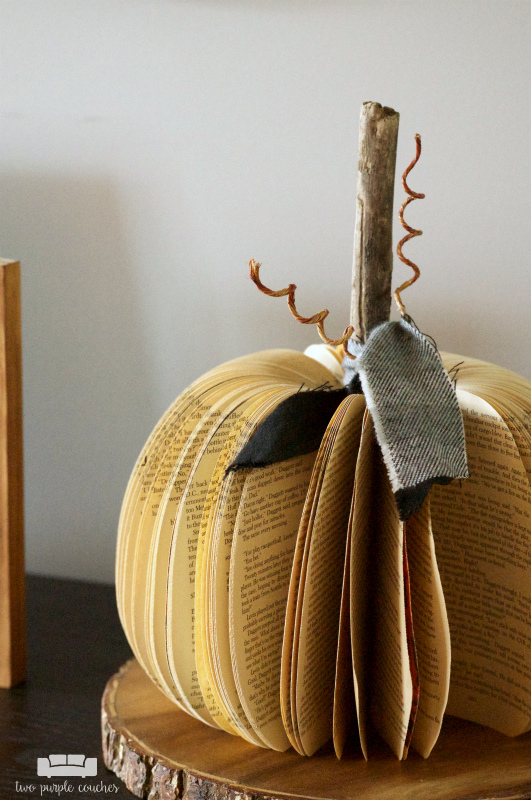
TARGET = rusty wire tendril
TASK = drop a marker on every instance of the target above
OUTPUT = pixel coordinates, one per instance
(412, 232)
(317, 319)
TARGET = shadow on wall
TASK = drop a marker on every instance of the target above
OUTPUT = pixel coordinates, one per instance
(87, 388)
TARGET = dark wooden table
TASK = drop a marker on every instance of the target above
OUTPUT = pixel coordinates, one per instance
(75, 643)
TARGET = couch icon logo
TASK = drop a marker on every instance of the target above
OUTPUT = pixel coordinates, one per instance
(67, 765)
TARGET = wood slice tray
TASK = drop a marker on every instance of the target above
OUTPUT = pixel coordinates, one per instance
(161, 753)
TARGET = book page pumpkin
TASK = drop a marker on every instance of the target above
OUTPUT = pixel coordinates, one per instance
(281, 538)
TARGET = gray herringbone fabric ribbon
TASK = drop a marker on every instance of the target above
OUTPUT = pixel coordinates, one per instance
(416, 416)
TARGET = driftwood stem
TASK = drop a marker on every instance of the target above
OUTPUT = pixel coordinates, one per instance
(373, 244)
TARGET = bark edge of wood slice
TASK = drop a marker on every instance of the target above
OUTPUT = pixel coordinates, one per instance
(161, 753)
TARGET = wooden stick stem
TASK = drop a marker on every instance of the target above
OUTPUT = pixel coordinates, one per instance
(373, 245)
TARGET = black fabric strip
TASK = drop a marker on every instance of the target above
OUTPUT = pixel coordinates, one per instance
(294, 428)
(409, 501)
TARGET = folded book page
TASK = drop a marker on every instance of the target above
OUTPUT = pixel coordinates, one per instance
(261, 560)
(482, 533)
(319, 629)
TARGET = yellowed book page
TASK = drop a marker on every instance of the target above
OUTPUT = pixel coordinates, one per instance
(292, 628)
(156, 530)
(171, 469)
(382, 678)
(158, 608)
(391, 688)
(133, 487)
(189, 484)
(141, 477)
(278, 365)
(515, 417)
(169, 448)
(361, 541)
(187, 440)
(212, 645)
(482, 532)
(261, 560)
(508, 393)
(288, 640)
(194, 396)
(219, 574)
(158, 435)
(432, 634)
(304, 528)
(292, 624)
(344, 699)
(518, 422)
(290, 365)
(465, 369)
(319, 628)
(187, 410)
(200, 634)
(217, 664)
(201, 639)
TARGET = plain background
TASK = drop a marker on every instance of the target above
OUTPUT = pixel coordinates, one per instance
(150, 148)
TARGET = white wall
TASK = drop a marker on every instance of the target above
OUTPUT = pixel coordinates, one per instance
(150, 148)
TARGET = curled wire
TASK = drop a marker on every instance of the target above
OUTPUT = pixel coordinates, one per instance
(412, 232)
(317, 319)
